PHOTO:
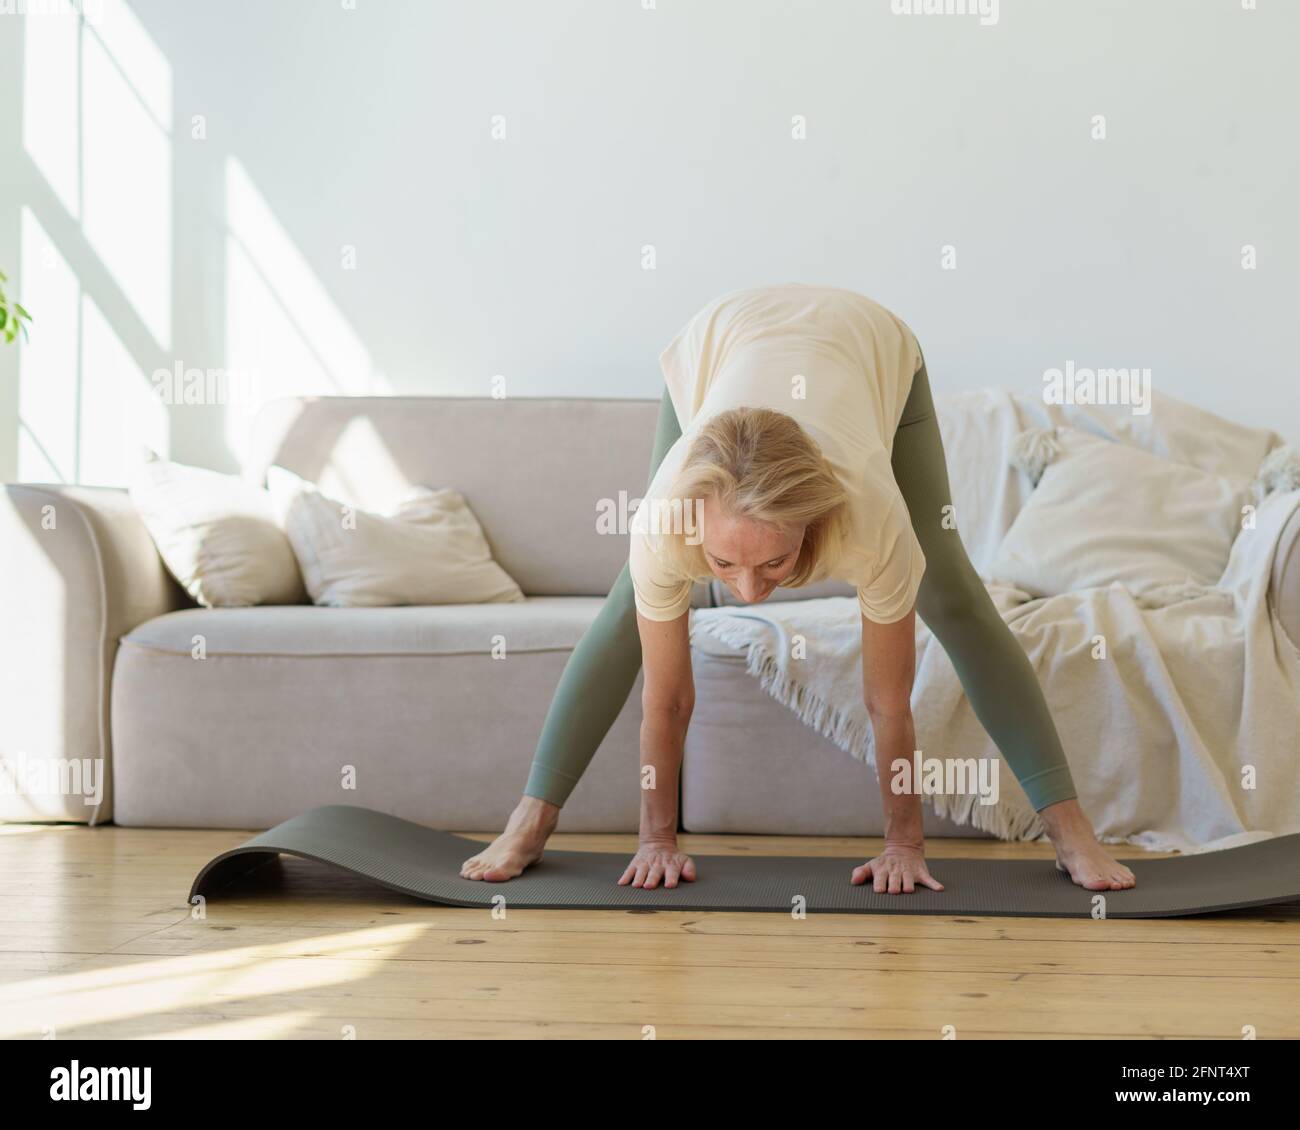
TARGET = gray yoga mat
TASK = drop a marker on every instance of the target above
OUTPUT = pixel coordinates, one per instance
(425, 863)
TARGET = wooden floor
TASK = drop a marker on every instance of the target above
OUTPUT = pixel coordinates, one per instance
(96, 940)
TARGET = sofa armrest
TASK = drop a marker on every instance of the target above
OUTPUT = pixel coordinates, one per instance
(78, 570)
(1284, 583)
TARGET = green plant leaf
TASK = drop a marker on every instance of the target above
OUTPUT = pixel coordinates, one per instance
(21, 312)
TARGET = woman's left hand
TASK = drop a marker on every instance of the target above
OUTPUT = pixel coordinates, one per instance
(896, 870)
(658, 861)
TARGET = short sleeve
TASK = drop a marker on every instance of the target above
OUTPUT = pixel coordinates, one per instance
(913, 345)
(659, 594)
(891, 594)
(679, 363)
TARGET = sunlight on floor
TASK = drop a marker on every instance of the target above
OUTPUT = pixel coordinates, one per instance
(278, 1026)
(192, 982)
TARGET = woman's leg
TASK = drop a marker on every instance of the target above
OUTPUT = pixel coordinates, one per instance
(593, 687)
(599, 675)
(993, 668)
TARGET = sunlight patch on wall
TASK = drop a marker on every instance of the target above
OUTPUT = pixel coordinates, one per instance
(47, 367)
(360, 469)
(97, 106)
(282, 326)
(139, 57)
(126, 164)
(50, 89)
(115, 395)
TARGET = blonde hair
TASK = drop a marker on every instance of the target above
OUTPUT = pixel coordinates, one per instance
(759, 463)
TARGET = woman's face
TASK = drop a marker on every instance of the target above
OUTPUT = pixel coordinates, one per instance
(750, 557)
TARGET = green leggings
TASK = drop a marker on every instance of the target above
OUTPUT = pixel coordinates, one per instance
(993, 668)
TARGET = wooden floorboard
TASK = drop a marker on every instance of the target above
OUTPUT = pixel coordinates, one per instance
(96, 940)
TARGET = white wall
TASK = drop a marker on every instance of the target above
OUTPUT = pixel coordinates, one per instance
(671, 127)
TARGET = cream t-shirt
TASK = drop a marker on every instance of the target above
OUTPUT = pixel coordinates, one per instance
(842, 366)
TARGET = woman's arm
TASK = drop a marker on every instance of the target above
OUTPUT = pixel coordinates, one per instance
(667, 700)
(888, 670)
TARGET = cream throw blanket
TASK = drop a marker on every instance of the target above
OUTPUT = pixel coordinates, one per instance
(1193, 698)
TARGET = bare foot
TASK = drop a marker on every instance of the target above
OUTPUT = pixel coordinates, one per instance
(518, 847)
(1079, 854)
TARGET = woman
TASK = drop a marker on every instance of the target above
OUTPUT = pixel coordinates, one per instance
(811, 450)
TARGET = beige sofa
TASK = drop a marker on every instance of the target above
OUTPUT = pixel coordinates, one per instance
(414, 711)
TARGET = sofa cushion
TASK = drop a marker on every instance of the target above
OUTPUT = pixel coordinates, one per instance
(429, 550)
(551, 481)
(410, 710)
(1105, 511)
(217, 534)
(979, 426)
(541, 623)
(1170, 428)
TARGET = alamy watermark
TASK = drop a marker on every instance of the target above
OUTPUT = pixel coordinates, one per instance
(22, 775)
(986, 10)
(946, 776)
(1072, 385)
(86, 1083)
(208, 387)
(680, 516)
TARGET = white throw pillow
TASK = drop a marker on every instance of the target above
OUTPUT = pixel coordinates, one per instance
(430, 550)
(217, 534)
(1104, 511)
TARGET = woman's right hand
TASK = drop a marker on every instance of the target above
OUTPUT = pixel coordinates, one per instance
(658, 861)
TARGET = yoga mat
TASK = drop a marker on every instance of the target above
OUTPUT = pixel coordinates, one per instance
(425, 863)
